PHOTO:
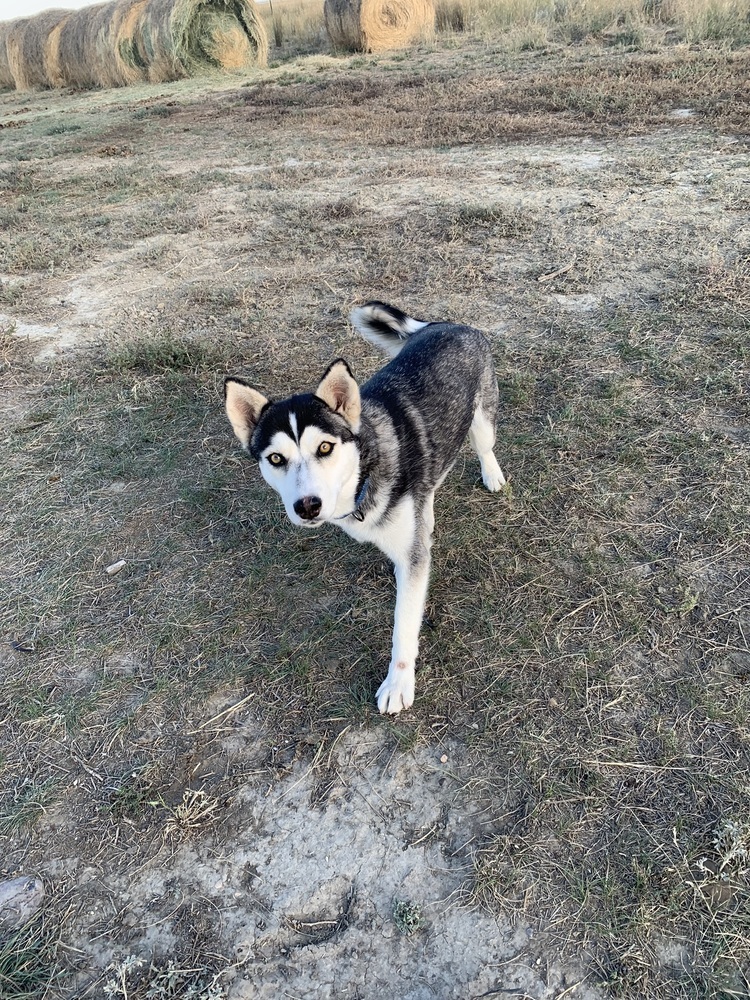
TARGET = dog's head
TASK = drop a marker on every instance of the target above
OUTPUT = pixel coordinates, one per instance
(306, 445)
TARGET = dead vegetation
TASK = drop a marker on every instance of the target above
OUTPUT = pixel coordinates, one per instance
(585, 650)
(532, 98)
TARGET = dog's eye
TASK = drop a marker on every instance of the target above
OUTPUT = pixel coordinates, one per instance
(275, 459)
(325, 448)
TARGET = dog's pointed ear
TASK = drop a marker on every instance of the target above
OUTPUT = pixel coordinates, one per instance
(244, 406)
(339, 390)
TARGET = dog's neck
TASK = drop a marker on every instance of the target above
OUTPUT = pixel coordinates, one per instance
(361, 499)
(364, 494)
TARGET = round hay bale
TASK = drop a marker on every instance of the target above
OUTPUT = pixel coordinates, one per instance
(6, 77)
(378, 25)
(224, 43)
(130, 41)
(172, 39)
(130, 54)
(192, 36)
(84, 56)
(25, 43)
(51, 55)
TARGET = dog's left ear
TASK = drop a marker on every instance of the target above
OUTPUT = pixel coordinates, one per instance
(244, 406)
(339, 390)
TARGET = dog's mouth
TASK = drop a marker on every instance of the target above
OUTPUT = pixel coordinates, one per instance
(306, 522)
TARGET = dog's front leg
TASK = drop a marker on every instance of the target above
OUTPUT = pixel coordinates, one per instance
(412, 577)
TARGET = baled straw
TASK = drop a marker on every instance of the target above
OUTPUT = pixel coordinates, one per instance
(6, 77)
(187, 37)
(378, 25)
(51, 54)
(25, 48)
(129, 52)
(84, 54)
(130, 41)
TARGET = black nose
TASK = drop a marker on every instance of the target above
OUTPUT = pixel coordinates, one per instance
(308, 507)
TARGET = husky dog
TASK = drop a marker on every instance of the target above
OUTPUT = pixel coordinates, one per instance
(370, 459)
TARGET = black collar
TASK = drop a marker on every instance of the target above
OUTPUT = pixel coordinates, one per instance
(360, 502)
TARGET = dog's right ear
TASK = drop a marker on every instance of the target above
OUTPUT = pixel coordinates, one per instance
(244, 406)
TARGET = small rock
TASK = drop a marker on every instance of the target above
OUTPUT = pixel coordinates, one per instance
(20, 898)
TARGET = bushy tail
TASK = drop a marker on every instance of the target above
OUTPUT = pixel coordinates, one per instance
(385, 326)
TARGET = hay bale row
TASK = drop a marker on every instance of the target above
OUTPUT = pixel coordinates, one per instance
(378, 25)
(130, 41)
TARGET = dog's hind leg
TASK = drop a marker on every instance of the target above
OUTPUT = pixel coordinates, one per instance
(429, 513)
(482, 438)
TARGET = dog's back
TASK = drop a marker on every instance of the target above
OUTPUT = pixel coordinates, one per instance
(430, 390)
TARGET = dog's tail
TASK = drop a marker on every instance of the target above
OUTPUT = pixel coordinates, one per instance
(385, 326)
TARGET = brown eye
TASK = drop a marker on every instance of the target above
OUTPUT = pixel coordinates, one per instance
(325, 448)
(275, 459)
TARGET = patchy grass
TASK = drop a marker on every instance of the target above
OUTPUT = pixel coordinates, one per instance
(407, 916)
(558, 94)
(608, 580)
(25, 802)
(586, 633)
(28, 961)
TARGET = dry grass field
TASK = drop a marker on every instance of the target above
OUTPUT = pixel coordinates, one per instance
(190, 756)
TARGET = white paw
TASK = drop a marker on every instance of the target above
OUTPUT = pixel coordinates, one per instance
(492, 476)
(397, 690)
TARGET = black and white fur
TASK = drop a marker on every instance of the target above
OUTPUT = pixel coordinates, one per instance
(370, 459)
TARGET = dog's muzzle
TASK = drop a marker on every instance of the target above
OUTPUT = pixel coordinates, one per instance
(308, 508)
